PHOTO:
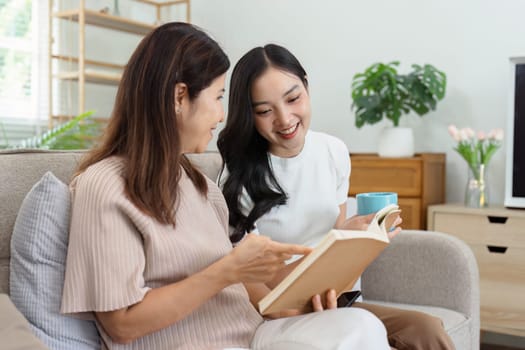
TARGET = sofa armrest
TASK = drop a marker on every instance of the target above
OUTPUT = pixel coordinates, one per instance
(15, 331)
(425, 268)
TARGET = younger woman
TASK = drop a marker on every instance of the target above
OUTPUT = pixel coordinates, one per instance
(290, 183)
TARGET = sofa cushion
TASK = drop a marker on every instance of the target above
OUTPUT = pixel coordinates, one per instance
(20, 169)
(38, 255)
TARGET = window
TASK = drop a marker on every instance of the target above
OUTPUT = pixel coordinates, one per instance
(24, 88)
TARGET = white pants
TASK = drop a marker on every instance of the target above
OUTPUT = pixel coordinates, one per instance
(337, 329)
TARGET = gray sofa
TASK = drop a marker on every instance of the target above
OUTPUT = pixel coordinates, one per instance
(420, 270)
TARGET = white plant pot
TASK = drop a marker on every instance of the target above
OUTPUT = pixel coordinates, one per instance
(396, 142)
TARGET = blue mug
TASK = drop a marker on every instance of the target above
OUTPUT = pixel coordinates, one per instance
(371, 202)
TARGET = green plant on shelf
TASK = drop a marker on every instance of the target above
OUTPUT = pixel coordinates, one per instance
(81, 132)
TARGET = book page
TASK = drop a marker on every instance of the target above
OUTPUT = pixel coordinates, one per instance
(384, 220)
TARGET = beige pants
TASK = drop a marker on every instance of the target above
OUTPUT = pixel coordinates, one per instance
(410, 330)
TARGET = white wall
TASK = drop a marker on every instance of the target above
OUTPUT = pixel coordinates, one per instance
(469, 40)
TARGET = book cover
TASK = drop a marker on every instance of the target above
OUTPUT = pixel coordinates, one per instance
(335, 263)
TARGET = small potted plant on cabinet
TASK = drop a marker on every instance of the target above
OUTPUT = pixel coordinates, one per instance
(381, 92)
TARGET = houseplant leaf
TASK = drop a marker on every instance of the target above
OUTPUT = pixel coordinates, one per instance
(377, 93)
(380, 92)
(77, 133)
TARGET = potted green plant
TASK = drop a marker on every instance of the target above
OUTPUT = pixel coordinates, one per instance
(81, 132)
(381, 92)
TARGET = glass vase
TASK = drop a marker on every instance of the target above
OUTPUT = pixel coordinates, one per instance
(476, 194)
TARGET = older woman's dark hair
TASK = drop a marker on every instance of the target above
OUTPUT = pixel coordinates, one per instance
(243, 149)
(143, 129)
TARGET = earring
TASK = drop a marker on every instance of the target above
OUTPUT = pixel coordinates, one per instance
(177, 110)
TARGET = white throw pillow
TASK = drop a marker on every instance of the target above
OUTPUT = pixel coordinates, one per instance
(38, 256)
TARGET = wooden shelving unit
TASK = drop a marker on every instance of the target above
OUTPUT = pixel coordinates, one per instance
(88, 70)
(105, 21)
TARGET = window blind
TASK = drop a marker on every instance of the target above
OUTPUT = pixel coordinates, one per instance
(24, 95)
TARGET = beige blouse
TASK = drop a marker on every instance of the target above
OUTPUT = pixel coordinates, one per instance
(117, 254)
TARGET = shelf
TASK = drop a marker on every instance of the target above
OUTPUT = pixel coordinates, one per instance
(159, 4)
(92, 76)
(163, 3)
(107, 21)
(89, 62)
(66, 117)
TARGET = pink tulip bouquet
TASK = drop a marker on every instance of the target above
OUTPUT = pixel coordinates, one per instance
(477, 148)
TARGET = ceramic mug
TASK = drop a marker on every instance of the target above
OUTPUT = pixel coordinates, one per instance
(371, 202)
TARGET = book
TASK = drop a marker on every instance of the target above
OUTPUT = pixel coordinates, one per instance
(336, 262)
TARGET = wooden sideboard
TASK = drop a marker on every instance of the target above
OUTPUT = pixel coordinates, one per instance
(497, 238)
(419, 181)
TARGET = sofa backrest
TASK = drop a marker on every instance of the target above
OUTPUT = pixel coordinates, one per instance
(21, 169)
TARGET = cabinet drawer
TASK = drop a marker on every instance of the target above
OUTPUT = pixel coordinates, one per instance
(482, 229)
(502, 288)
(410, 212)
(399, 175)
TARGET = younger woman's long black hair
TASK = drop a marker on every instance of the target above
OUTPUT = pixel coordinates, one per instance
(243, 149)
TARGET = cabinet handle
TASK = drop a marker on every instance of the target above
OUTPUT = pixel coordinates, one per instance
(496, 249)
(497, 219)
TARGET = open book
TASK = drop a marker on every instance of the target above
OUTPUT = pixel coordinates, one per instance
(335, 263)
